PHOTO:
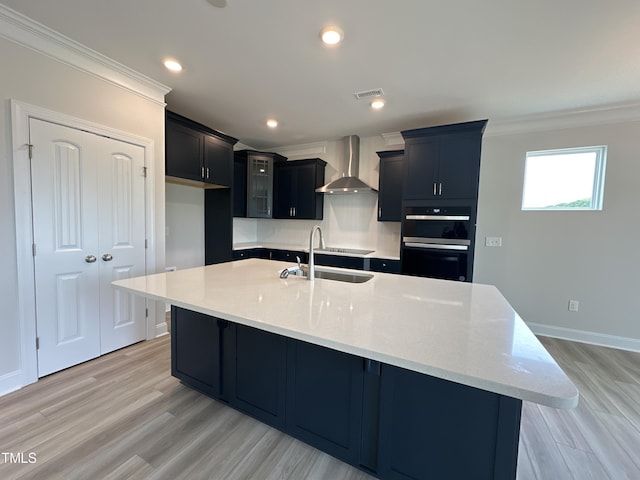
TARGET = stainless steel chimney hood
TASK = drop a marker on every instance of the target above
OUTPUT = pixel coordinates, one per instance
(349, 181)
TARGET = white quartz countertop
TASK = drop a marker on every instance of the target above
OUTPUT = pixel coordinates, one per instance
(462, 332)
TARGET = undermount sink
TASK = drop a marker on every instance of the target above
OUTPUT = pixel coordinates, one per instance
(349, 277)
(343, 277)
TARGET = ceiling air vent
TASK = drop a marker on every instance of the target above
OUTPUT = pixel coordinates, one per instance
(374, 92)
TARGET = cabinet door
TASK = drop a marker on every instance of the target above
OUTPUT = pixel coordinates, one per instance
(459, 166)
(260, 375)
(218, 159)
(259, 186)
(390, 189)
(284, 187)
(341, 261)
(384, 265)
(239, 188)
(196, 357)
(309, 204)
(433, 428)
(218, 226)
(324, 399)
(421, 169)
(183, 152)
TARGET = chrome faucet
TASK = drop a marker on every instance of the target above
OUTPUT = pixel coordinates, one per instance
(312, 264)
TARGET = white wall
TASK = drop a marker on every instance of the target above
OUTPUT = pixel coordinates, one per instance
(184, 226)
(38, 80)
(550, 257)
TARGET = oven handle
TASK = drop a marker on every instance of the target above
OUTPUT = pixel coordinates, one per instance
(437, 246)
(439, 241)
(461, 218)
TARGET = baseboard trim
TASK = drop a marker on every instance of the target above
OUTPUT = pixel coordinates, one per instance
(582, 336)
(161, 329)
(10, 382)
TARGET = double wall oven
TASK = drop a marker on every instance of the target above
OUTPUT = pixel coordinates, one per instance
(437, 242)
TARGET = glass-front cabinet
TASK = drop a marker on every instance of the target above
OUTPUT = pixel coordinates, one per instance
(260, 187)
(258, 183)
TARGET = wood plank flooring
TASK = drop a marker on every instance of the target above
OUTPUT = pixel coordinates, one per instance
(123, 416)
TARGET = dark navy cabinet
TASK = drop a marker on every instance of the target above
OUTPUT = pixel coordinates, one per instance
(443, 163)
(341, 261)
(433, 428)
(324, 399)
(199, 156)
(202, 365)
(295, 184)
(196, 153)
(259, 379)
(392, 422)
(253, 175)
(384, 265)
(390, 186)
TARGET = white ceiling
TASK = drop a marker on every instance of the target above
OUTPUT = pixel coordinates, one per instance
(437, 61)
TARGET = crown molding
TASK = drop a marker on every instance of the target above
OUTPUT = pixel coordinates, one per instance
(317, 148)
(602, 115)
(393, 138)
(28, 33)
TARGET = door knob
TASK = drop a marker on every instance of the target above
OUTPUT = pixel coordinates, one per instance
(107, 257)
(90, 258)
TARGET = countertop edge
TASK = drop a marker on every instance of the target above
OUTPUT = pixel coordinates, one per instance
(560, 402)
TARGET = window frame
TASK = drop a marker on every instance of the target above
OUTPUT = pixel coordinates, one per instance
(597, 192)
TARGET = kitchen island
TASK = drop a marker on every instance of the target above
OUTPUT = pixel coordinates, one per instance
(403, 377)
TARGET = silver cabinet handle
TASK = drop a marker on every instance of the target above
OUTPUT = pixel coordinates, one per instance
(202, 172)
(90, 258)
(434, 188)
(440, 189)
(379, 212)
(107, 257)
(207, 173)
(294, 211)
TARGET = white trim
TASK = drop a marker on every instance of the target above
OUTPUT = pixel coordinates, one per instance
(161, 330)
(317, 148)
(565, 119)
(550, 121)
(393, 138)
(10, 382)
(27, 32)
(20, 115)
(593, 338)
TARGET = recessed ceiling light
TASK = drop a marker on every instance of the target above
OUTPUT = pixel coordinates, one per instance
(331, 35)
(377, 104)
(272, 123)
(172, 65)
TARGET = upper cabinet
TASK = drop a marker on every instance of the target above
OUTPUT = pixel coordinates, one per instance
(390, 186)
(197, 155)
(295, 186)
(443, 162)
(257, 182)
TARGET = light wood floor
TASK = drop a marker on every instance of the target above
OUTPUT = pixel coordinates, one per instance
(124, 416)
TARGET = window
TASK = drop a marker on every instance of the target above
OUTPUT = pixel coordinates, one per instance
(567, 179)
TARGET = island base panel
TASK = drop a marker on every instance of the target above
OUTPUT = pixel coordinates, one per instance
(433, 428)
(388, 421)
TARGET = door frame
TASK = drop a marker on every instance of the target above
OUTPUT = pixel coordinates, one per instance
(21, 113)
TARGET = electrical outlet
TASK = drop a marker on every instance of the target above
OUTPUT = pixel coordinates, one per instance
(493, 241)
(573, 305)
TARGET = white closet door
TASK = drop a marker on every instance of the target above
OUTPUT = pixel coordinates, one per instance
(89, 229)
(65, 217)
(121, 234)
